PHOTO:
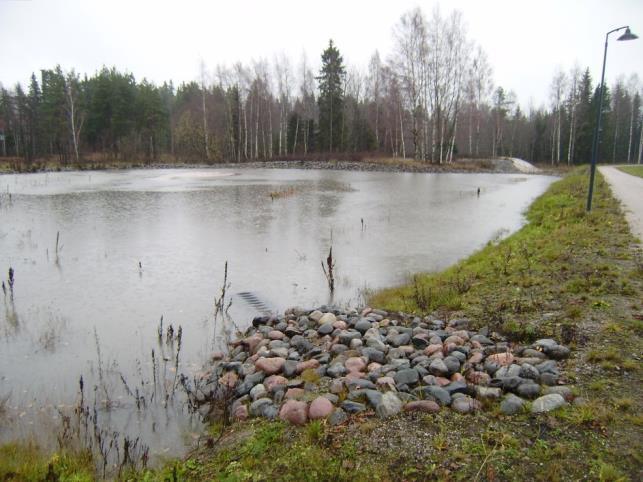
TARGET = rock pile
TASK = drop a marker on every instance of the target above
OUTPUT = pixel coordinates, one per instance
(329, 363)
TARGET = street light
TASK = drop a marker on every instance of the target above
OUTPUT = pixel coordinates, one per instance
(628, 35)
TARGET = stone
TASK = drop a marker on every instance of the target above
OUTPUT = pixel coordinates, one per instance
(320, 408)
(363, 325)
(229, 379)
(558, 352)
(353, 407)
(420, 341)
(240, 413)
(256, 407)
(273, 382)
(528, 389)
(512, 370)
(358, 383)
(546, 403)
(260, 320)
(452, 363)
(399, 340)
(307, 365)
(270, 366)
(563, 390)
(407, 376)
(258, 391)
(294, 393)
(545, 343)
(276, 335)
(512, 404)
(389, 405)
(336, 370)
(488, 393)
(457, 387)
(327, 318)
(550, 379)
(436, 393)
(345, 337)
(336, 386)
(426, 406)
(295, 412)
(438, 368)
(373, 354)
(355, 364)
(325, 329)
(290, 368)
(529, 371)
(377, 344)
(531, 353)
(465, 404)
(337, 417)
(386, 382)
(502, 359)
(316, 315)
(280, 352)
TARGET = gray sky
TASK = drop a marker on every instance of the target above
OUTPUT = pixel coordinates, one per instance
(162, 40)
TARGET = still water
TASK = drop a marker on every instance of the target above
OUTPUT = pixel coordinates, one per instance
(91, 307)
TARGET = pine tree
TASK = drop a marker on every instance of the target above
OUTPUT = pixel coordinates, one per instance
(586, 120)
(331, 99)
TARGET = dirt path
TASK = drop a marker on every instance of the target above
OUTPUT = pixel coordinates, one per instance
(629, 190)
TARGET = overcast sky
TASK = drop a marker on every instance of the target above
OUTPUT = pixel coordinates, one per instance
(161, 40)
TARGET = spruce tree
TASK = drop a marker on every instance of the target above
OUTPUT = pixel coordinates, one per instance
(331, 99)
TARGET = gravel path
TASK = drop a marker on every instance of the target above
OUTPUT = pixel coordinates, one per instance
(629, 190)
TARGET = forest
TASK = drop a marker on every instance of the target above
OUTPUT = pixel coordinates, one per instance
(433, 99)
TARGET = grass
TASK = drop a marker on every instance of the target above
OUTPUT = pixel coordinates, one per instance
(27, 462)
(561, 275)
(633, 170)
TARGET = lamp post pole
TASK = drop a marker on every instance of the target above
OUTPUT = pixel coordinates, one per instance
(599, 110)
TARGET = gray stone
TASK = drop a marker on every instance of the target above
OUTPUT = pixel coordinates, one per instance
(528, 389)
(482, 339)
(531, 353)
(547, 403)
(510, 371)
(529, 371)
(325, 329)
(363, 325)
(420, 341)
(460, 356)
(550, 379)
(256, 407)
(290, 368)
(336, 370)
(337, 417)
(558, 352)
(465, 404)
(547, 366)
(357, 383)
(433, 392)
(488, 393)
(258, 391)
(373, 354)
(377, 344)
(399, 340)
(452, 363)
(353, 407)
(512, 404)
(563, 390)
(389, 405)
(457, 387)
(408, 376)
(545, 343)
(373, 396)
(345, 337)
(438, 368)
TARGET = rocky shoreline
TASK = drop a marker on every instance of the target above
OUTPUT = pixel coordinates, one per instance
(329, 363)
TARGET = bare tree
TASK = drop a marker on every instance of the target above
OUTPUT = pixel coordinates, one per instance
(75, 119)
(206, 141)
(556, 90)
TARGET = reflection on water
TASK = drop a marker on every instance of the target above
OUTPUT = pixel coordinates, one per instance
(182, 226)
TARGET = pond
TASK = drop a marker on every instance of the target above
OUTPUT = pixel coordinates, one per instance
(100, 257)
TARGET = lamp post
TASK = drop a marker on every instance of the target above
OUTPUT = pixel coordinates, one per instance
(628, 35)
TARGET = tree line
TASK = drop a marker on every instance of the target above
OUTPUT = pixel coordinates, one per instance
(432, 100)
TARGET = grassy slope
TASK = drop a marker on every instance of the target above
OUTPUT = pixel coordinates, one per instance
(569, 274)
(633, 170)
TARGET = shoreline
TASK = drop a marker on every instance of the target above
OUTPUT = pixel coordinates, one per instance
(470, 166)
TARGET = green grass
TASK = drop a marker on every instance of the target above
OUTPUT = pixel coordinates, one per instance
(27, 462)
(633, 170)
